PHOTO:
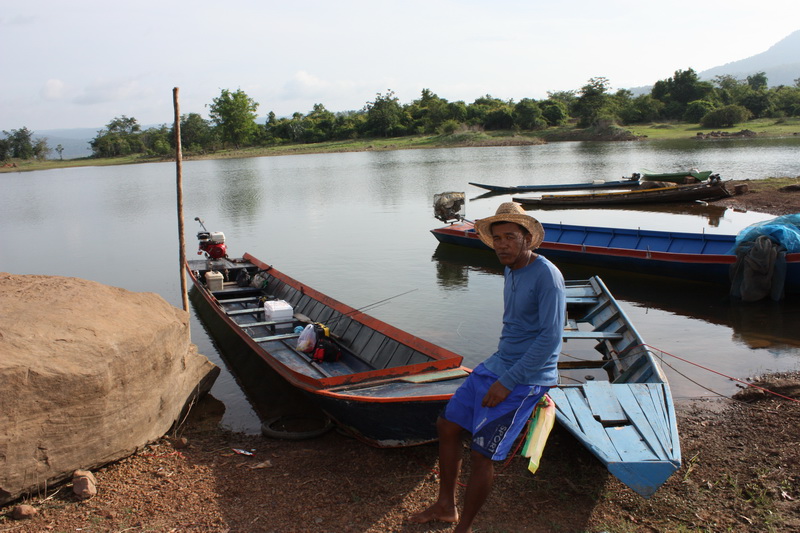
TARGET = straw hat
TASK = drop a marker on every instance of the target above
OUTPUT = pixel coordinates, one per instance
(510, 212)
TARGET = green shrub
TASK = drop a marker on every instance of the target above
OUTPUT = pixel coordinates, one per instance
(725, 117)
(697, 109)
(449, 127)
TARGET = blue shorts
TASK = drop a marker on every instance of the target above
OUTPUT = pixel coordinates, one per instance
(494, 429)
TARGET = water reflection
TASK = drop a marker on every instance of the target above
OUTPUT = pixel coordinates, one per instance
(758, 325)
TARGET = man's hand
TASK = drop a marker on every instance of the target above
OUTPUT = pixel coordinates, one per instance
(496, 394)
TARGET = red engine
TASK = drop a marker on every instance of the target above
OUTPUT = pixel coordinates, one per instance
(213, 244)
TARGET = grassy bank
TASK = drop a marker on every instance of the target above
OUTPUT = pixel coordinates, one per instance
(655, 131)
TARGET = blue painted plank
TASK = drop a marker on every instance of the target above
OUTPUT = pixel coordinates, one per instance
(590, 427)
(603, 402)
(562, 405)
(653, 397)
(630, 445)
(627, 400)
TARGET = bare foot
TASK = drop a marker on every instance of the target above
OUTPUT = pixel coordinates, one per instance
(436, 512)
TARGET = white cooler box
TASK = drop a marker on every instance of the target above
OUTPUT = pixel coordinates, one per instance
(279, 310)
(214, 280)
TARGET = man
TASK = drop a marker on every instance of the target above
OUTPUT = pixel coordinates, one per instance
(497, 399)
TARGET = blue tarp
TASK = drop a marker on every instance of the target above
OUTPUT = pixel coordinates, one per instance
(784, 230)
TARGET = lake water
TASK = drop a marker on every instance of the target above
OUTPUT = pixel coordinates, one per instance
(356, 226)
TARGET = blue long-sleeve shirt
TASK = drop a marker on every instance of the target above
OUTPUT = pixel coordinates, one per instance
(533, 323)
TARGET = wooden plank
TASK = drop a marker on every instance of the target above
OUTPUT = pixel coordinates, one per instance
(652, 397)
(628, 401)
(280, 337)
(603, 402)
(442, 375)
(629, 444)
(599, 335)
(591, 428)
(562, 405)
(238, 300)
(573, 365)
(581, 300)
(267, 323)
(251, 310)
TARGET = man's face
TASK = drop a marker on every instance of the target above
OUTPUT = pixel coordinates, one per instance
(510, 243)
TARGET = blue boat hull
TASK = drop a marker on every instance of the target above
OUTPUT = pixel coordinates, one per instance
(687, 256)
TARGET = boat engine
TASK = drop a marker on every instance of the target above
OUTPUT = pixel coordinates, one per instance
(212, 243)
(448, 206)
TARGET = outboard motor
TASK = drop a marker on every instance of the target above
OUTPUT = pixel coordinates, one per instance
(212, 243)
(448, 206)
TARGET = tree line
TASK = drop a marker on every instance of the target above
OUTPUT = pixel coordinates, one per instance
(232, 122)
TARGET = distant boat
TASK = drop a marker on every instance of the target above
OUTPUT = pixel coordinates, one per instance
(686, 256)
(678, 177)
(676, 193)
(625, 183)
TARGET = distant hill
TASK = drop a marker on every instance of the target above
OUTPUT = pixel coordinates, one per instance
(75, 141)
(781, 63)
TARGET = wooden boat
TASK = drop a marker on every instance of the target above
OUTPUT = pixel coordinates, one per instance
(676, 193)
(625, 183)
(678, 177)
(686, 256)
(618, 405)
(389, 386)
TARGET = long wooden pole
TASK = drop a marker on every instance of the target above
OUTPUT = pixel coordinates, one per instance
(179, 180)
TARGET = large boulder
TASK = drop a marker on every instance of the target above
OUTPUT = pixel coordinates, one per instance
(89, 374)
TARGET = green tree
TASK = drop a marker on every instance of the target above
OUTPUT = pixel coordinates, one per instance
(234, 115)
(643, 108)
(730, 90)
(593, 102)
(554, 111)
(60, 150)
(758, 81)
(478, 111)
(319, 125)
(528, 115)
(196, 133)
(384, 115)
(697, 109)
(429, 112)
(676, 92)
(158, 141)
(20, 143)
(40, 149)
(120, 137)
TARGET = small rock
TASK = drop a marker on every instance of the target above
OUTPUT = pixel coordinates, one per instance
(180, 443)
(84, 484)
(23, 511)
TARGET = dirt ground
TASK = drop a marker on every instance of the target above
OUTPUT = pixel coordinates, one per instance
(778, 196)
(741, 472)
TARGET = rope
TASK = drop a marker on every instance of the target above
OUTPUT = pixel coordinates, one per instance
(721, 374)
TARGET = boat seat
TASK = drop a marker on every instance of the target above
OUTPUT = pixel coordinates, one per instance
(599, 335)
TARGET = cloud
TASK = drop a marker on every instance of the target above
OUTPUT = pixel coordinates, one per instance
(105, 91)
(306, 85)
(53, 90)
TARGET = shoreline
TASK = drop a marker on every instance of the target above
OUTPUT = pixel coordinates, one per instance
(764, 128)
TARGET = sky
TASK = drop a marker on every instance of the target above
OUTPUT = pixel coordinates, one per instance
(80, 64)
